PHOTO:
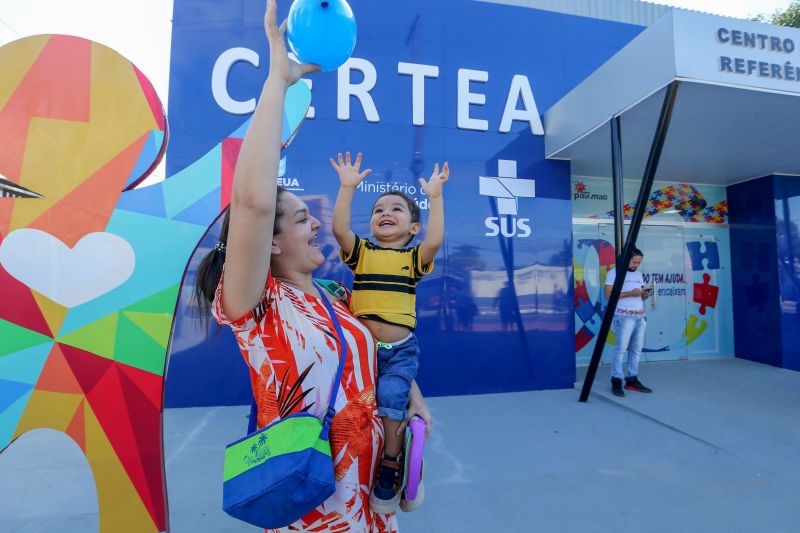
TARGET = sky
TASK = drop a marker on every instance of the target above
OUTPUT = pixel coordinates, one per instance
(141, 30)
(729, 8)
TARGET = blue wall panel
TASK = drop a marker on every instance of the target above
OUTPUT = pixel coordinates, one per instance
(757, 321)
(496, 313)
(787, 211)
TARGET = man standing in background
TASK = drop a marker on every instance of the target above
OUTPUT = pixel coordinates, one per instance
(629, 324)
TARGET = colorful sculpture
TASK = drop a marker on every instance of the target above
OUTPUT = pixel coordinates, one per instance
(90, 272)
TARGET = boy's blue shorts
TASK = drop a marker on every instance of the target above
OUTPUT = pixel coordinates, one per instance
(397, 368)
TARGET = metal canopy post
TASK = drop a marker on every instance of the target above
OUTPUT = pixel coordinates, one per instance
(616, 174)
(630, 242)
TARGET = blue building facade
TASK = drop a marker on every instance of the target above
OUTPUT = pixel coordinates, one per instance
(765, 213)
(432, 81)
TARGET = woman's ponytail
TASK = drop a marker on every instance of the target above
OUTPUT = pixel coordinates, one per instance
(210, 270)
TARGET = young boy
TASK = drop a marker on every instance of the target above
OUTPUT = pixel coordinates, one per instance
(386, 273)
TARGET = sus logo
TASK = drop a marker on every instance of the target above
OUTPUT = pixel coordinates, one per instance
(507, 189)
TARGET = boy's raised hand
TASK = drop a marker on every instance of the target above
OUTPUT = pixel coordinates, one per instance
(349, 174)
(433, 187)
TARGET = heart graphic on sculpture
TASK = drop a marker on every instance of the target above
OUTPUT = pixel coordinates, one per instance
(99, 263)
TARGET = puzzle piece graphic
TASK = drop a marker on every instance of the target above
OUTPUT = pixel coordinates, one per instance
(582, 338)
(583, 304)
(581, 294)
(686, 199)
(586, 311)
(705, 294)
(710, 254)
(694, 328)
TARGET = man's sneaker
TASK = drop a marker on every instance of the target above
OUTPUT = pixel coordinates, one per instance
(616, 387)
(633, 383)
(384, 496)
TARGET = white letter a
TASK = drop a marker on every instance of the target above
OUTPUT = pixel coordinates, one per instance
(520, 87)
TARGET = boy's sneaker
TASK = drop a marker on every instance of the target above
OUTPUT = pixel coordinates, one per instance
(384, 496)
(616, 387)
(633, 383)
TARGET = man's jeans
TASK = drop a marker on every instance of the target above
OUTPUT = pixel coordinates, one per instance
(630, 338)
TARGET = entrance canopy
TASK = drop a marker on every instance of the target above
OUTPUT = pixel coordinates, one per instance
(736, 116)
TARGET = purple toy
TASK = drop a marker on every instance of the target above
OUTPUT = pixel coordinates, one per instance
(413, 491)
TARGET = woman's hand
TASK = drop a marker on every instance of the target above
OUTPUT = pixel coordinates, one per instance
(418, 407)
(280, 66)
(349, 174)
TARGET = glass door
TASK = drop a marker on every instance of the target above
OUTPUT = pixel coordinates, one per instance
(663, 268)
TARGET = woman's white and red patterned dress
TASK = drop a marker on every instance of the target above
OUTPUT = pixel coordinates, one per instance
(289, 333)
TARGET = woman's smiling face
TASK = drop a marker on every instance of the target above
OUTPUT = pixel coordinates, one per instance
(295, 247)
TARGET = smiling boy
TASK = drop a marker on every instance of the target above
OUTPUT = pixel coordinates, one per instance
(386, 274)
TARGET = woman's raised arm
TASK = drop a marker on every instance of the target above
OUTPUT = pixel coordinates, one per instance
(255, 181)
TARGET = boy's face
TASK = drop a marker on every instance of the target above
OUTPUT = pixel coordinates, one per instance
(635, 263)
(391, 220)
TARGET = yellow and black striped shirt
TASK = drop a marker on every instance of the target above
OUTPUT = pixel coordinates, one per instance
(385, 282)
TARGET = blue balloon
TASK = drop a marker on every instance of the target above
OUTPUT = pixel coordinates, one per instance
(322, 32)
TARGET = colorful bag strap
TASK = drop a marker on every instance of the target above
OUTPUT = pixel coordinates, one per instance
(326, 422)
(333, 288)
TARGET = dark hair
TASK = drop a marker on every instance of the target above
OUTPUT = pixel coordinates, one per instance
(210, 269)
(412, 205)
(636, 253)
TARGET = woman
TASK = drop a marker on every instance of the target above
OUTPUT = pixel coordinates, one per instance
(285, 334)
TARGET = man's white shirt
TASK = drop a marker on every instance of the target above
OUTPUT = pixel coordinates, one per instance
(633, 305)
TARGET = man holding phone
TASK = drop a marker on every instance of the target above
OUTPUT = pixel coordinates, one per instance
(629, 324)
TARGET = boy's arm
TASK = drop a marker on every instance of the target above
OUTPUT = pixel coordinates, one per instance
(341, 220)
(349, 179)
(434, 235)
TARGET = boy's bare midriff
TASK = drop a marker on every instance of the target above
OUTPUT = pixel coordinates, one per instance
(386, 332)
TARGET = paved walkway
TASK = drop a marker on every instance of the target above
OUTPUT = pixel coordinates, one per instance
(716, 448)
